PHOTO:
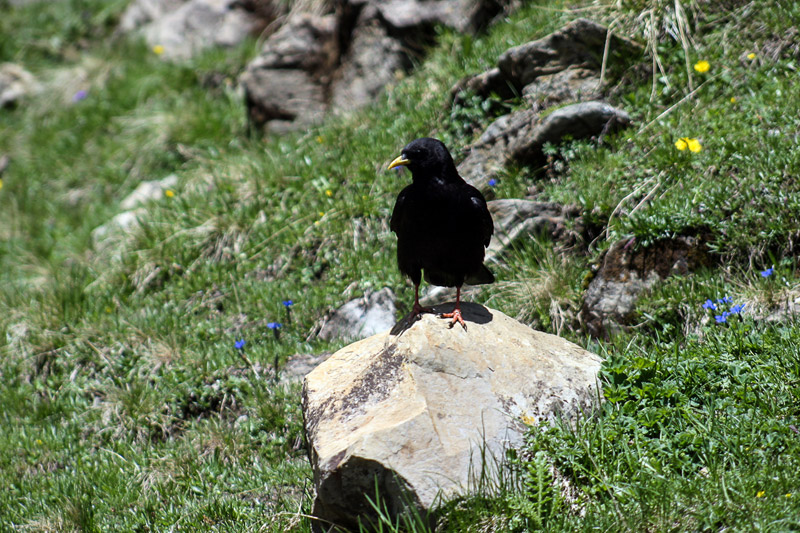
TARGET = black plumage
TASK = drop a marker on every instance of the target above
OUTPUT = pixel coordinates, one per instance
(442, 224)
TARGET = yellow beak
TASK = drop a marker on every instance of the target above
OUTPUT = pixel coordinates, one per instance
(400, 161)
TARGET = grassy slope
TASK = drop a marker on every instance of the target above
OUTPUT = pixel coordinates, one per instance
(126, 405)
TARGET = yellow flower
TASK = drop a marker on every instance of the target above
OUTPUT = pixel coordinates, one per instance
(169, 193)
(760, 494)
(733, 99)
(681, 144)
(694, 145)
(788, 494)
(322, 214)
(320, 140)
(702, 66)
(158, 49)
(1, 184)
(39, 442)
(751, 55)
(328, 193)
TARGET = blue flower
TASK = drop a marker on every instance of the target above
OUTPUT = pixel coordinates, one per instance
(274, 325)
(288, 303)
(80, 95)
(725, 300)
(239, 344)
(709, 304)
(721, 318)
(768, 272)
(492, 182)
(738, 308)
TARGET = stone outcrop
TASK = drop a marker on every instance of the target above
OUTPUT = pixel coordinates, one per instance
(186, 27)
(562, 68)
(418, 411)
(355, 52)
(286, 85)
(626, 270)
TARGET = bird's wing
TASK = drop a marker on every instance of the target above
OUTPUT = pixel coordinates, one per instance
(481, 212)
(399, 210)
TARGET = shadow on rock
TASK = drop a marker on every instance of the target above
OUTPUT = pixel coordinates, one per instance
(471, 312)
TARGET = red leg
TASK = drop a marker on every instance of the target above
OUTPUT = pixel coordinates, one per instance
(456, 314)
(417, 309)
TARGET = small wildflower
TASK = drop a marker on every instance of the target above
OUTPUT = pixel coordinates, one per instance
(709, 304)
(80, 95)
(158, 49)
(788, 494)
(768, 272)
(733, 99)
(751, 56)
(328, 193)
(737, 309)
(39, 443)
(492, 182)
(1, 183)
(288, 303)
(725, 300)
(721, 319)
(239, 344)
(108, 310)
(702, 66)
(320, 140)
(169, 193)
(276, 330)
(681, 144)
(760, 494)
(694, 145)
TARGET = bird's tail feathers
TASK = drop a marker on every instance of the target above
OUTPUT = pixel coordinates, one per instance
(480, 277)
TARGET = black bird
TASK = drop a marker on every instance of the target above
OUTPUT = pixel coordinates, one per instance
(442, 224)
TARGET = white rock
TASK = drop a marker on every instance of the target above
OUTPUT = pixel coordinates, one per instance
(148, 190)
(414, 409)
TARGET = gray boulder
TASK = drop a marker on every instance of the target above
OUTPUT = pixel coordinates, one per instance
(372, 313)
(423, 411)
(286, 85)
(186, 27)
(15, 84)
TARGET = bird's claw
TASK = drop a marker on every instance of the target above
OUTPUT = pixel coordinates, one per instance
(417, 310)
(456, 316)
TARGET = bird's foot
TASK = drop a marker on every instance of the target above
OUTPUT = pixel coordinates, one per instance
(417, 310)
(456, 316)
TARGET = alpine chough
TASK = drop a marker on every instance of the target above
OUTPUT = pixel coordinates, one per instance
(442, 224)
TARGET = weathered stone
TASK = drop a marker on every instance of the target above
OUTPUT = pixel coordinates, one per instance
(147, 191)
(372, 61)
(286, 85)
(579, 43)
(362, 317)
(569, 85)
(516, 218)
(576, 121)
(15, 83)
(627, 270)
(424, 410)
(106, 236)
(185, 27)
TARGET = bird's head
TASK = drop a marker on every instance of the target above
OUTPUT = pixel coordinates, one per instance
(426, 158)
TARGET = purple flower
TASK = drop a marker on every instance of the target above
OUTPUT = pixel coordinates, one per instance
(768, 272)
(288, 303)
(80, 95)
(239, 344)
(738, 308)
(492, 182)
(709, 304)
(274, 325)
(722, 318)
(725, 300)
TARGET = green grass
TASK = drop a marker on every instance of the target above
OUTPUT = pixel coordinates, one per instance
(126, 405)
